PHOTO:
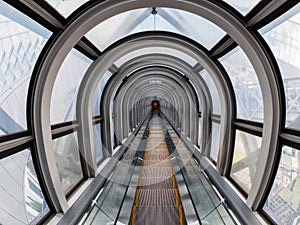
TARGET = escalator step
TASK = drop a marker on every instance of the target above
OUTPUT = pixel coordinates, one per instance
(157, 197)
(157, 215)
(156, 183)
(157, 163)
(162, 172)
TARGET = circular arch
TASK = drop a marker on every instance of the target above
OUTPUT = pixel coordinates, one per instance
(185, 96)
(173, 76)
(169, 95)
(197, 83)
(111, 92)
(161, 39)
(59, 46)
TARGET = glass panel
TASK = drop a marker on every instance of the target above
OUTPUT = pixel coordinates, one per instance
(21, 41)
(242, 6)
(213, 92)
(210, 208)
(283, 37)
(246, 153)
(98, 93)
(105, 209)
(245, 84)
(68, 161)
(63, 100)
(21, 197)
(192, 26)
(166, 19)
(98, 142)
(215, 139)
(118, 26)
(160, 50)
(66, 7)
(283, 203)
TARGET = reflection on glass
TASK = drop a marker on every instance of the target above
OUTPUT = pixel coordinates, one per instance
(210, 208)
(215, 139)
(283, 37)
(98, 143)
(245, 84)
(66, 7)
(98, 93)
(68, 161)
(166, 19)
(21, 197)
(246, 153)
(63, 101)
(21, 41)
(157, 50)
(242, 6)
(192, 26)
(283, 203)
(213, 92)
(105, 209)
(119, 26)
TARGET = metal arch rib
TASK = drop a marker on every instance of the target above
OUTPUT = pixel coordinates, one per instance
(179, 43)
(146, 66)
(39, 100)
(180, 93)
(169, 61)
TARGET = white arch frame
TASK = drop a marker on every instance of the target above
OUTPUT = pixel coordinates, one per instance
(61, 46)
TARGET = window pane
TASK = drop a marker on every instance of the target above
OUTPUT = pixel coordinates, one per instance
(21, 41)
(213, 92)
(215, 139)
(245, 84)
(246, 153)
(21, 198)
(68, 161)
(66, 7)
(205, 199)
(242, 6)
(159, 50)
(63, 101)
(98, 142)
(283, 37)
(283, 203)
(118, 26)
(191, 25)
(166, 19)
(98, 93)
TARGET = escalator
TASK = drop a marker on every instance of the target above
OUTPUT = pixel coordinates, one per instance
(157, 199)
(158, 182)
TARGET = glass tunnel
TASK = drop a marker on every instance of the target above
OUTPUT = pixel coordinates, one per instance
(150, 112)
